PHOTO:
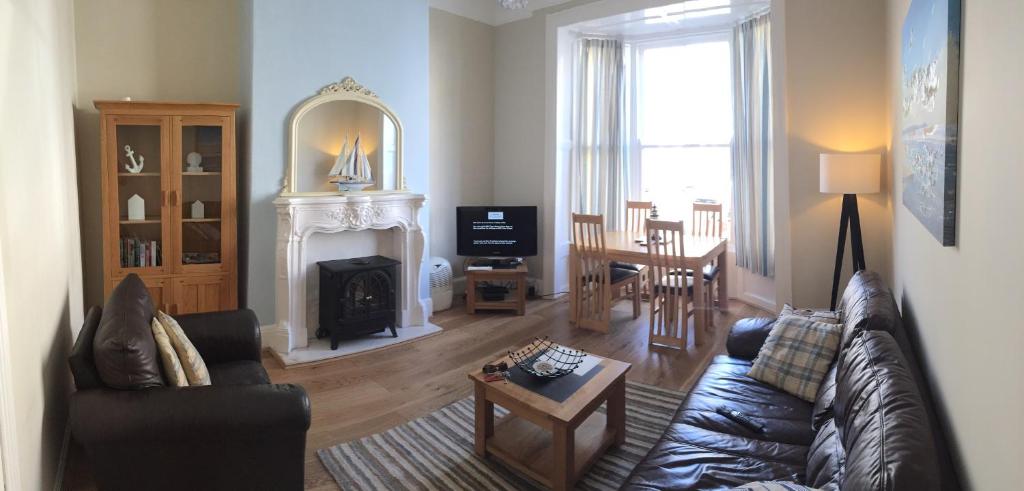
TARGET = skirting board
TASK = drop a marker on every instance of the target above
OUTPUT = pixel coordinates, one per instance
(756, 301)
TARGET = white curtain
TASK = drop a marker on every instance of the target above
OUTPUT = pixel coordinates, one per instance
(753, 198)
(600, 173)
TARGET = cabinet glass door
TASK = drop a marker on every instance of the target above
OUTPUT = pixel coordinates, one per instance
(200, 146)
(136, 147)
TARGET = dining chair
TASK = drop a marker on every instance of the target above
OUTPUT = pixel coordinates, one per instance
(598, 283)
(706, 219)
(707, 222)
(671, 290)
(637, 213)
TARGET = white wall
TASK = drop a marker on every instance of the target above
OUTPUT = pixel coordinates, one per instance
(186, 50)
(462, 85)
(519, 108)
(835, 78)
(295, 49)
(963, 301)
(40, 262)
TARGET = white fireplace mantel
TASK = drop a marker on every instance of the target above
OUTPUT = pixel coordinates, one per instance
(300, 216)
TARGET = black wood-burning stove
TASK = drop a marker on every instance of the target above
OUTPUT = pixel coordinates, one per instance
(357, 297)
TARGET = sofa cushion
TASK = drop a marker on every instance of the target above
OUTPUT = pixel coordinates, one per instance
(747, 336)
(688, 457)
(826, 316)
(786, 418)
(173, 373)
(773, 486)
(124, 350)
(868, 305)
(243, 372)
(797, 355)
(881, 418)
(825, 458)
(825, 400)
(83, 368)
(191, 361)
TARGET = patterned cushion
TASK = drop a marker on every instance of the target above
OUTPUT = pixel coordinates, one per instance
(773, 486)
(173, 372)
(826, 316)
(191, 362)
(797, 355)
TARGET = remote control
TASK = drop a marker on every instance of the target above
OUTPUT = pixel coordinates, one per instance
(741, 418)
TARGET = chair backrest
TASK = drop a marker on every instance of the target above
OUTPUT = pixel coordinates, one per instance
(665, 258)
(707, 219)
(592, 271)
(637, 213)
(589, 242)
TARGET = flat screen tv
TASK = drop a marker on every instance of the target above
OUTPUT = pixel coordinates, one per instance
(496, 231)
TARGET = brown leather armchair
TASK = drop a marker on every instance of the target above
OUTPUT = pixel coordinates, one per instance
(241, 432)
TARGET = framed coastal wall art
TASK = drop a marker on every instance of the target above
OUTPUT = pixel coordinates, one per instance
(930, 106)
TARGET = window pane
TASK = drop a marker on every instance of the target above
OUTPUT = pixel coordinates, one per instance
(685, 94)
(673, 178)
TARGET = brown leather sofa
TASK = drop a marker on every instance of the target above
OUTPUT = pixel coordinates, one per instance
(241, 432)
(869, 428)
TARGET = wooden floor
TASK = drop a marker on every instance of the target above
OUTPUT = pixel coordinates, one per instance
(372, 392)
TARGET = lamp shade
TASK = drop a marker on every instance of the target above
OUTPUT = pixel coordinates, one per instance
(850, 173)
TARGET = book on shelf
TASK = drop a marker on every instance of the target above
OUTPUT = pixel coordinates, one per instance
(140, 253)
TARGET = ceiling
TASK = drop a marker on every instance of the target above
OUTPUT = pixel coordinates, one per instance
(489, 12)
(685, 16)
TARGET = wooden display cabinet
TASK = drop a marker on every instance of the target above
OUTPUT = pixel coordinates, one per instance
(185, 252)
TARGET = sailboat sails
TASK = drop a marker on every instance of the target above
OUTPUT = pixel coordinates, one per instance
(339, 163)
(351, 166)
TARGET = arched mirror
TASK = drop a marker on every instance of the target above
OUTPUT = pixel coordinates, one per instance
(344, 139)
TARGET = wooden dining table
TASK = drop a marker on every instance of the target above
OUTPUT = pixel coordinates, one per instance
(697, 252)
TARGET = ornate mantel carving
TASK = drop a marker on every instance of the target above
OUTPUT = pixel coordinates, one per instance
(301, 216)
(347, 84)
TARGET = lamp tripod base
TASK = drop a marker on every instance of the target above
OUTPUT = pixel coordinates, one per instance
(849, 217)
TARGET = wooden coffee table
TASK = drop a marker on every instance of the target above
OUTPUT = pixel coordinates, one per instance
(552, 442)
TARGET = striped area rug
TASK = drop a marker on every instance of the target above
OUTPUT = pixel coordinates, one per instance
(435, 452)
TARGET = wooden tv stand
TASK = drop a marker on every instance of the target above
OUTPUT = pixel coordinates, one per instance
(517, 275)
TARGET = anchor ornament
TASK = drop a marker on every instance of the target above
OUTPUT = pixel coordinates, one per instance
(134, 167)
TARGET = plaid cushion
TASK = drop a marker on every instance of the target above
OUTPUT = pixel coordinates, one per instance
(797, 354)
(826, 316)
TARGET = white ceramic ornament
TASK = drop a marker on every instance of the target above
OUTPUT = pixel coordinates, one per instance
(136, 208)
(198, 210)
(194, 159)
(134, 167)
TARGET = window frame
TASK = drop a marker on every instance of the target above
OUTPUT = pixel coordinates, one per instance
(636, 48)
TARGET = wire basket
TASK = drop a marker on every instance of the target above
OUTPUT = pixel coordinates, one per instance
(543, 358)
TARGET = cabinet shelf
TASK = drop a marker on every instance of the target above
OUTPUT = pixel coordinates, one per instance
(217, 173)
(149, 219)
(200, 220)
(140, 174)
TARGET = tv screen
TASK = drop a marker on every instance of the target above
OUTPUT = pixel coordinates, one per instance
(496, 231)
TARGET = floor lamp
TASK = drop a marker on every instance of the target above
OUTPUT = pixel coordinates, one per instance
(849, 175)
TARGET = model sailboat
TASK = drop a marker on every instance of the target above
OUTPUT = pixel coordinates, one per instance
(351, 171)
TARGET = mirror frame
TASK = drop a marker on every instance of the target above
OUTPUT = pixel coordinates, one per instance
(345, 90)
